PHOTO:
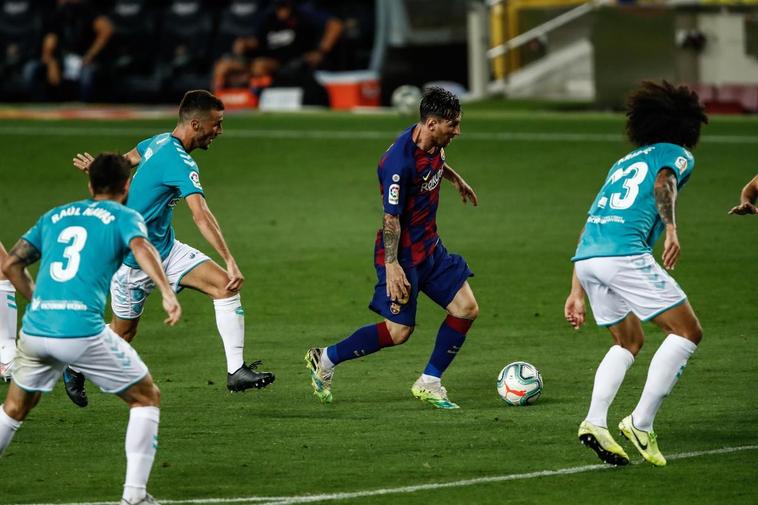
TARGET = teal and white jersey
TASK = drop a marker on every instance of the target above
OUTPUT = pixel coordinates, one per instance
(82, 245)
(623, 219)
(165, 175)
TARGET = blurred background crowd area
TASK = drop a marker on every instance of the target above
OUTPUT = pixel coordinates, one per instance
(154, 50)
(347, 53)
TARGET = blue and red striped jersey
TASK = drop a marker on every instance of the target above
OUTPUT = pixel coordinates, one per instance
(409, 181)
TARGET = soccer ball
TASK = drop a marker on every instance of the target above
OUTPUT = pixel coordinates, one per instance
(405, 99)
(519, 383)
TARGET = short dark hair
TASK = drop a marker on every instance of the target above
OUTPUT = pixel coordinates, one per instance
(664, 113)
(198, 101)
(439, 102)
(108, 173)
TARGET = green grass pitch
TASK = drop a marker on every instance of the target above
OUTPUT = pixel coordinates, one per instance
(297, 198)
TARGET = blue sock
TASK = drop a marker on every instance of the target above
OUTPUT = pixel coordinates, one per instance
(366, 340)
(450, 338)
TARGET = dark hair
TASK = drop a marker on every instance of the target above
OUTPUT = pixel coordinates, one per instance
(108, 174)
(198, 101)
(439, 102)
(664, 113)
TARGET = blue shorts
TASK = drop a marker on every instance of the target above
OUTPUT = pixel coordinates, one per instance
(440, 277)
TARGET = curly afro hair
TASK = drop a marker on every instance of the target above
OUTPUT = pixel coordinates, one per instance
(664, 113)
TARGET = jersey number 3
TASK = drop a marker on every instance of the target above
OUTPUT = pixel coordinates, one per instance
(76, 236)
(635, 175)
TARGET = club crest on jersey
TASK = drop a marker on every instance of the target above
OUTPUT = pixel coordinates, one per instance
(431, 183)
(195, 178)
(395, 308)
(394, 194)
(681, 164)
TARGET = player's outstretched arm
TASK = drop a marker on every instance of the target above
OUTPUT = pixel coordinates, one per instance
(211, 231)
(467, 192)
(82, 161)
(149, 261)
(748, 197)
(397, 282)
(665, 199)
(574, 310)
(14, 267)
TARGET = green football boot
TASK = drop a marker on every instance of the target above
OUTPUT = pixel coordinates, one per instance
(599, 439)
(434, 394)
(645, 441)
(321, 379)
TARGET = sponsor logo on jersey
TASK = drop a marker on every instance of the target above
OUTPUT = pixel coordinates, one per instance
(394, 194)
(148, 153)
(681, 164)
(195, 178)
(432, 183)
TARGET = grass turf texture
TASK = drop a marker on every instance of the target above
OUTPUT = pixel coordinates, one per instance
(300, 216)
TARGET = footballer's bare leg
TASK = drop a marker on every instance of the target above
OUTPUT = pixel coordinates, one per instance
(209, 278)
(628, 338)
(462, 311)
(668, 363)
(18, 403)
(125, 328)
(681, 320)
(628, 334)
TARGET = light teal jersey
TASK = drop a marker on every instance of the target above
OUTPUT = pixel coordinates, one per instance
(165, 175)
(82, 245)
(623, 219)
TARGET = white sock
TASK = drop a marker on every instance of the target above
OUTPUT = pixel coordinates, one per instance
(141, 443)
(608, 378)
(665, 368)
(8, 314)
(430, 379)
(230, 321)
(326, 363)
(8, 427)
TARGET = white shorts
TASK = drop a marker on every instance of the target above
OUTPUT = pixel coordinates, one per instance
(619, 285)
(130, 287)
(105, 359)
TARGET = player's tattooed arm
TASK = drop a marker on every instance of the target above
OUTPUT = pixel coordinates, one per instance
(391, 234)
(665, 200)
(397, 283)
(14, 267)
(665, 195)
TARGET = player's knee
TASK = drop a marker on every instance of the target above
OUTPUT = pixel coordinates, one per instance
(129, 334)
(16, 411)
(633, 347)
(153, 396)
(400, 333)
(471, 310)
(694, 333)
(220, 292)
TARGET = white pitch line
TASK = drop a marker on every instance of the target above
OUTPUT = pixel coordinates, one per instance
(66, 131)
(290, 500)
